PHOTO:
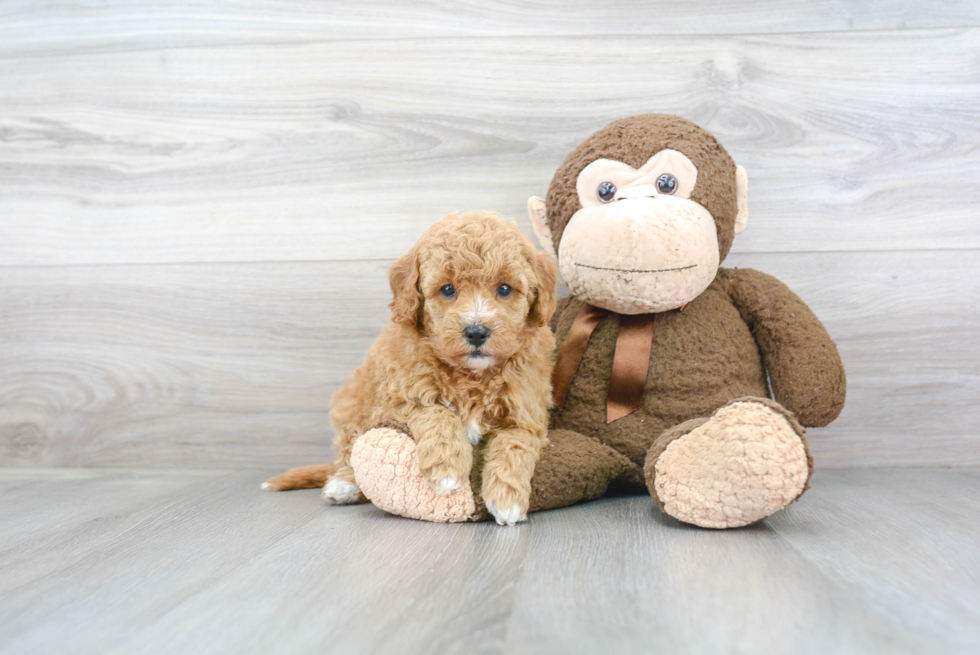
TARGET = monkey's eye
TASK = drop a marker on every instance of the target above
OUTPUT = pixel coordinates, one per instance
(448, 291)
(667, 184)
(606, 191)
(504, 291)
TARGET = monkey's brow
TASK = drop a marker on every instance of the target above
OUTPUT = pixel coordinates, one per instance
(637, 270)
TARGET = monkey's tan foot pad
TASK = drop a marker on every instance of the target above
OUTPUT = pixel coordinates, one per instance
(743, 464)
(386, 468)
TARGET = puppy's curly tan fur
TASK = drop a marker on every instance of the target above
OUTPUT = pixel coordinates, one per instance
(467, 356)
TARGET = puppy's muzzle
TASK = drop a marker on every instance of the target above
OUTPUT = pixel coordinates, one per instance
(476, 335)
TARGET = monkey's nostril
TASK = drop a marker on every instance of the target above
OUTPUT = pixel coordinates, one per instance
(476, 335)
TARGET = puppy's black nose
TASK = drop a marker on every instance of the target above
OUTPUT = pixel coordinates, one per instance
(477, 335)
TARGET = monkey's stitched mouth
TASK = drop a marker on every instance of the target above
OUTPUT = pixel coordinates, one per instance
(636, 270)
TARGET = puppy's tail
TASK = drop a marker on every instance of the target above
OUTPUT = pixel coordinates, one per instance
(302, 477)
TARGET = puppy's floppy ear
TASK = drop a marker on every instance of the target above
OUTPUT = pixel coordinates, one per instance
(545, 299)
(403, 276)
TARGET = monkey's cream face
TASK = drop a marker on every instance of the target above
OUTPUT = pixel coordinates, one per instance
(639, 244)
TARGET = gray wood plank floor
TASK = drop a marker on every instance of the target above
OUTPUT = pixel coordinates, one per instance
(178, 561)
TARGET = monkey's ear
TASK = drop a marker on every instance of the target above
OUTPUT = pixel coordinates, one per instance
(403, 276)
(742, 199)
(539, 221)
(545, 297)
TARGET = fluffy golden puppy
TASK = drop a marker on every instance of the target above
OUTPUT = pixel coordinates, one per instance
(466, 357)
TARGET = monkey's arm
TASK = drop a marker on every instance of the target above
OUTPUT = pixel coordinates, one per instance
(805, 370)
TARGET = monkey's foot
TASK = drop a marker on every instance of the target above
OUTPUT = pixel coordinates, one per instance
(747, 461)
(386, 468)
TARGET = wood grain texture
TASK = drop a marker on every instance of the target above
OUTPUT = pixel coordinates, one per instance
(198, 200)
(379, 584)
(908, 535)
(157, 553)
(627, 579)
(93, 493)
(867, 561)
(226, 365)
(347, 150)
(28, 28)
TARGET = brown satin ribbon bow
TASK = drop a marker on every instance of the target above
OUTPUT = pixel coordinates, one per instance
(630, 362)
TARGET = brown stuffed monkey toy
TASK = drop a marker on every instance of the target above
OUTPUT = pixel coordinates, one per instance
(671, 372)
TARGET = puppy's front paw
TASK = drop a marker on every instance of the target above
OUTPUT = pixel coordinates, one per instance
(506, 515)
(341, 492)
(506, 498)
(447, 485)
(445, 464)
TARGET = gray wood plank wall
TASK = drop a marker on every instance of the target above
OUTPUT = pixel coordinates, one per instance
(198, 201)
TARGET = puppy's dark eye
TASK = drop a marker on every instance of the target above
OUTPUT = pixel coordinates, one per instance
(448, 291)
(606, 191)
(667, 184)
(504, 291)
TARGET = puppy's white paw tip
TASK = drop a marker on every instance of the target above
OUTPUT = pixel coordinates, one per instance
(506, 516)
(447, 485)
(267, 487)
(474, 433)
(340, 492)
